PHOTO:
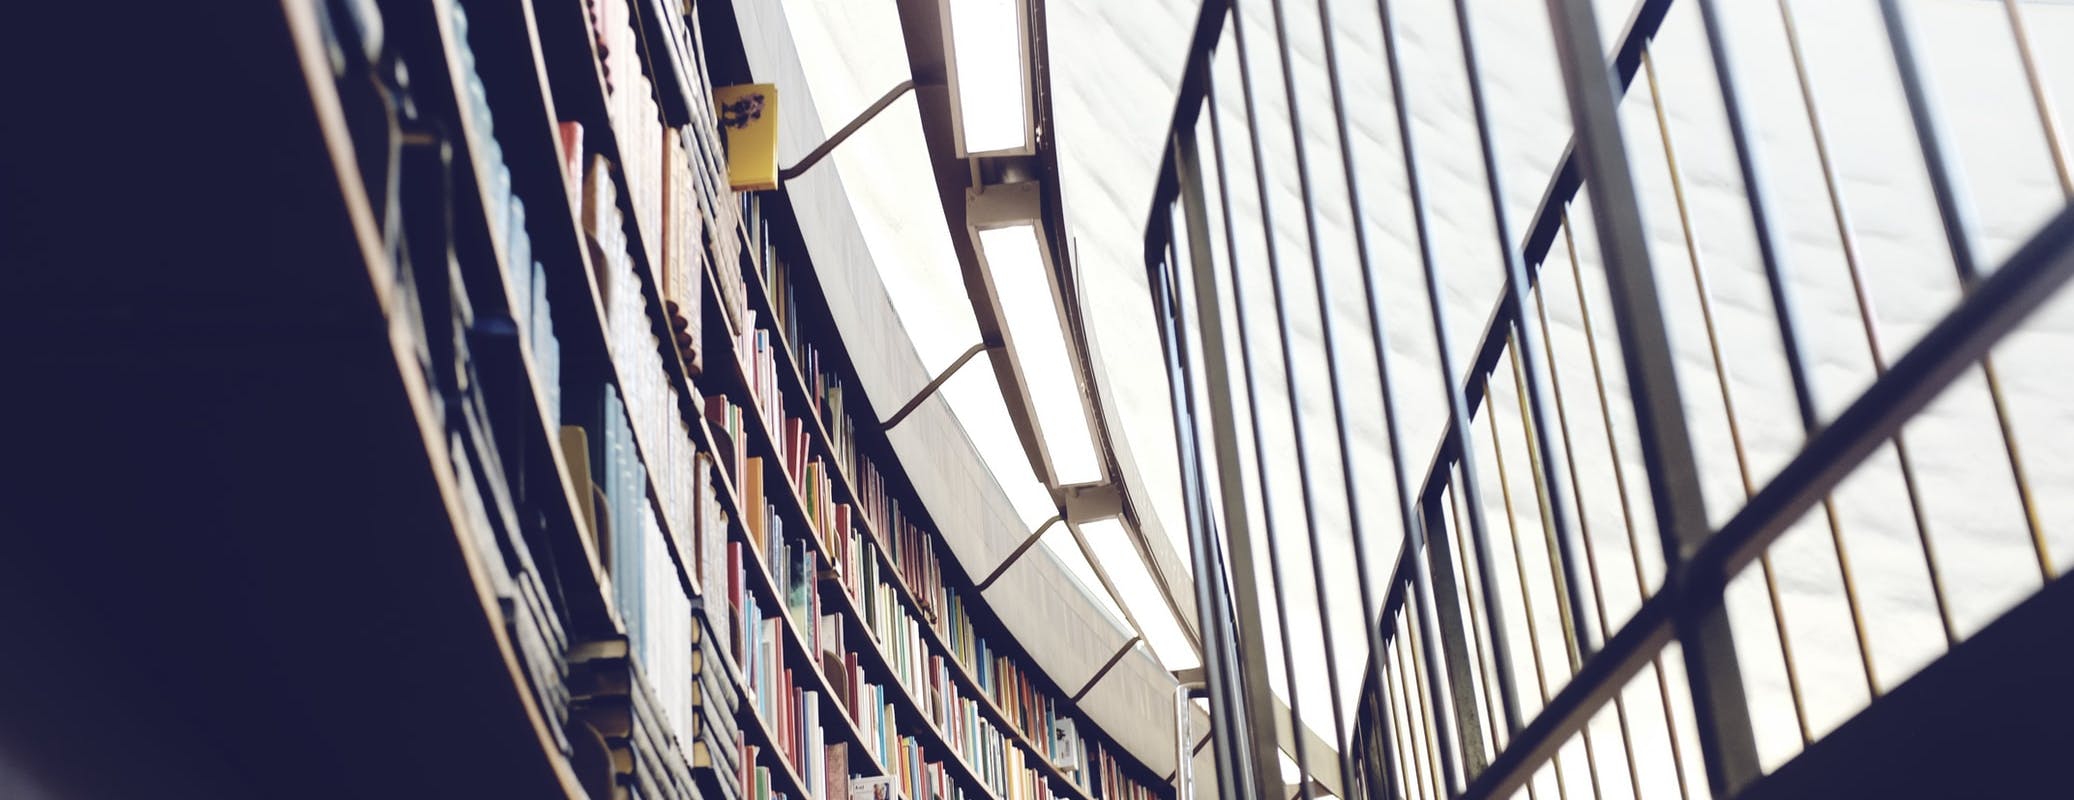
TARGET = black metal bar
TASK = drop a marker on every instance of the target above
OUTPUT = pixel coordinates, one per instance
(1216, 360)
(2002, 301)
(1260, 449)
(1998, 303)
(1518, 283)
(1548, 220)
(1188, 104)
(1952, 208)
(1756, 192)
(1458, 410)
(1016, 554)
(1349, 481)
(929, 389)
(1723, 715)
(1956, 213)
(1584, 535)
(868, 114)
(1454, 644)
(1227, 708)
(1449, 635)
(1624, 655)
(1096, 679)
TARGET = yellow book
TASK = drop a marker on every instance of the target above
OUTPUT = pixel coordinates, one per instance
(576, 460)
(752, 496)
(749, 117)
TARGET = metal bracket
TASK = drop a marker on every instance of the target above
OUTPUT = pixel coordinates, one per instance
(1018, 554)
(1128, 646)
(935, 384)
(787, 174)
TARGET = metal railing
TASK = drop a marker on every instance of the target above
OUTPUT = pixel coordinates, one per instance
(1448, 703)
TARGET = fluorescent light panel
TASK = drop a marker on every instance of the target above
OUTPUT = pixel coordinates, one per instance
(987, 51)
(1037, 340)
(1111, 543)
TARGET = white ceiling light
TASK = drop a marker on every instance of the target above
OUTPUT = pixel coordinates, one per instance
(1111, 543)
(987, 43)
(1012, 248)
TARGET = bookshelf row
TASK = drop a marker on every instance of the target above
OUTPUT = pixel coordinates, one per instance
(704, 566)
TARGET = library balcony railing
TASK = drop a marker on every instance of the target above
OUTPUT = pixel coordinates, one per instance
(1449, 705)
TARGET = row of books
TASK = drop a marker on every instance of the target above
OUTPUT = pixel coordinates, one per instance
(907, 545)
(926, 675)
(790, 712)
(630, 108)
(612, 696)
(998, 761)
(524, 278)
(652, 399)
(910, 549)
(790, 567)
(1014, 690)
(914, 774)
(1035, 712)
(454, 346)
(507, 214)
(496, 513)
(681, 205)
(824, 387)
(673, 191)
(701, 200)
(680, 273)
(812, 478)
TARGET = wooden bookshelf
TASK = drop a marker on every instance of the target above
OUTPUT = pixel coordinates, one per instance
(794, 386)
(377, 468)
(871, 444)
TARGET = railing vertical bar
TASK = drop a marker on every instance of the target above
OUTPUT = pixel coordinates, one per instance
(1458, 412)
(1447, 624)
(2048, 116)
(1321, 284)
(1726, 736)
(1771, 256)
(1867, 317)
(1584, 533)
(1268, 517)
(1307, 499)
(1485, 668)
(1416, 781)
(1957, 215)
(1542, 491)
(1627, 512)
(1415, 639)
(1570, 594)
(1722, 382)
(1416, 696)
(1519, 565)
(1219, 653)
(1262, 769)
(1454, 645)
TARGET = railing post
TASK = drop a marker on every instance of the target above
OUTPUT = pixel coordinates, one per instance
(1723, 715)
(1245, 595)
(1453, 634)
